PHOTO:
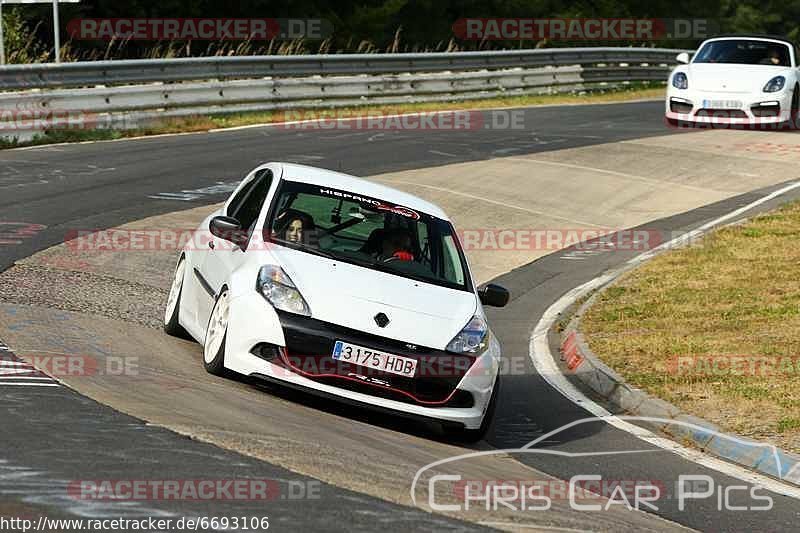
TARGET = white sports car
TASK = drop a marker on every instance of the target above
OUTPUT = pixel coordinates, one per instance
(736, 80)
(342, 287)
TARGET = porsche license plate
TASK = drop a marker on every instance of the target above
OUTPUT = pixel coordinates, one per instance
(722, 104)
(369, 358)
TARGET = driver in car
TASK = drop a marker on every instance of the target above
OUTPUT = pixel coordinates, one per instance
(773, 58)
(396, 246)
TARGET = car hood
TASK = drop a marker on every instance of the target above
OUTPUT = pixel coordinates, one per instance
(349, 295)
(723, 78)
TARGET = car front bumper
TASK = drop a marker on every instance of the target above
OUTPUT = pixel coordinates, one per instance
(747, 109)
(255, 327)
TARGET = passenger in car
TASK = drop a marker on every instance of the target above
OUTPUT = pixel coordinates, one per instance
(295, 226)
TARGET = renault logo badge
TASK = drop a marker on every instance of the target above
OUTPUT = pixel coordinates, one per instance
(382, 320)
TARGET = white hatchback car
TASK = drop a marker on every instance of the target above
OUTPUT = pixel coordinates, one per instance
(736, 80)
(345, 288)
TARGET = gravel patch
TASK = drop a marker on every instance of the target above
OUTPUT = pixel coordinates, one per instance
(84, 293)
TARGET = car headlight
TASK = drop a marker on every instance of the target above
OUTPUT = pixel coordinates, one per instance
(279, 290)
(680, 81)
(472, 339)
(775, 84)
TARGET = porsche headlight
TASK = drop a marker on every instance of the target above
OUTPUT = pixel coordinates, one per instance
(775, 84)
(279, 290)
(680, 81)
(472, 339)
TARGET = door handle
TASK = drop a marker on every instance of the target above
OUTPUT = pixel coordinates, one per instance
(211, 244)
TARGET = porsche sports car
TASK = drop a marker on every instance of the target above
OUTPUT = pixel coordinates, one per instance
(735, 80)
(345, 288)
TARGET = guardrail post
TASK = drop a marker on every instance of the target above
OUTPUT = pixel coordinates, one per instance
(56, 31)
(2, 40)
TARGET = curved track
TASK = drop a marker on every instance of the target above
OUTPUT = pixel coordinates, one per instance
(106, 184)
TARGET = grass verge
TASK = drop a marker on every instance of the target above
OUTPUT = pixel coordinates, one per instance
(205, 123)
(714, 328)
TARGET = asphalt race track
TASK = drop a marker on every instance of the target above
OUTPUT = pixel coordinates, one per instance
(99, 185)
(53, 433)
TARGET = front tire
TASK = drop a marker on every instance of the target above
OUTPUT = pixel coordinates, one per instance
(172, 325)
(217, 335)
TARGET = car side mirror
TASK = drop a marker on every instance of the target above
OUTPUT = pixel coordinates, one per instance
(493, 295)
(227, 228)
(683, 57)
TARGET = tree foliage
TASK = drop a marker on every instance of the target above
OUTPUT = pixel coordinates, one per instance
(394, 25)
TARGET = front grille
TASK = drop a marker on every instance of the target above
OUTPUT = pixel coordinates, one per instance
(461, 398)
(766, 110)
(267, 352)
(309, 345)
(683, 108)
(721, 113)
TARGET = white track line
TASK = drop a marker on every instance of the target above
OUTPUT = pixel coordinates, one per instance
(545, 363)
(487, 200)
(31, 384)
(15, 371)
(661, 183)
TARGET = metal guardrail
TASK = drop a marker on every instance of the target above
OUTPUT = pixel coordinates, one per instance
(126, 93)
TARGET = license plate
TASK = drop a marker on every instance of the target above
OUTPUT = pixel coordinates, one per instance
(722, 104)
(369, 358)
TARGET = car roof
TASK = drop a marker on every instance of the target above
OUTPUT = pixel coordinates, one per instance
(751, 36)
(348, 183)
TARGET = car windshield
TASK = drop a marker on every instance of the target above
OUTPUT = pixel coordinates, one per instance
(369, 232)
(745, 52)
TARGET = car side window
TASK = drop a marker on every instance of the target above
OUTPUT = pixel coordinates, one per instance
(237, 200)
(451, 260)
(247, 204)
